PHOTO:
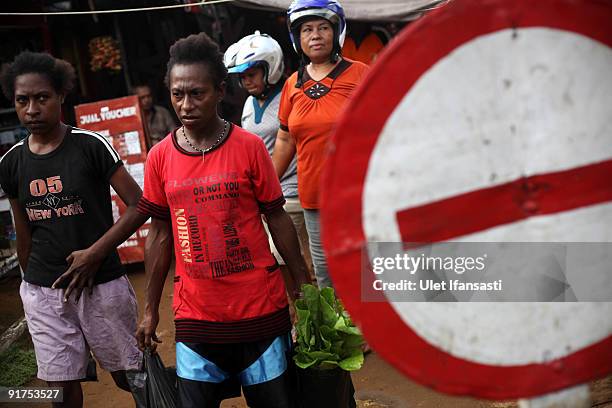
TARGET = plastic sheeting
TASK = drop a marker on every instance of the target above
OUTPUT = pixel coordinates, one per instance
(367, 10)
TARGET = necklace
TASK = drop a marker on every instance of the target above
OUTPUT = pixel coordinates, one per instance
(209, 148)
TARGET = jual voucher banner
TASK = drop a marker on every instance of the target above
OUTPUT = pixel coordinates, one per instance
(121, 122)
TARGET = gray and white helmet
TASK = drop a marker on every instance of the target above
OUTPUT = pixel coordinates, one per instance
(256, 50)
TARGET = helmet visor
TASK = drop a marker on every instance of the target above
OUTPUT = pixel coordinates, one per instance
(298, 17)
(238, 69)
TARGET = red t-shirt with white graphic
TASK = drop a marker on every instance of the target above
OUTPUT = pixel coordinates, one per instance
(227, 286)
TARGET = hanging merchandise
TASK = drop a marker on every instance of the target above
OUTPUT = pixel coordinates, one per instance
(105, 54)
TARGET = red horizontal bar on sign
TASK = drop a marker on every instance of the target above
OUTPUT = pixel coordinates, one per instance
(506, 203)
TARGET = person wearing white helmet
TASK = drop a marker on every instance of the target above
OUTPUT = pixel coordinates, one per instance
(257, 60)
(257, 51)
(311, 102)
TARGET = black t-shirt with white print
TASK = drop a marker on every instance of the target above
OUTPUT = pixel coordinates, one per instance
(66, 196)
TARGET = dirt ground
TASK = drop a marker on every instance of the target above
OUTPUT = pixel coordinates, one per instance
(377, 384)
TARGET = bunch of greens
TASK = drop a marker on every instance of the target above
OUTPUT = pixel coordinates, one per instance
(327, 338)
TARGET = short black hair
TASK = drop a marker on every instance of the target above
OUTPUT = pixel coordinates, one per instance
(60, 73)
(198, 49)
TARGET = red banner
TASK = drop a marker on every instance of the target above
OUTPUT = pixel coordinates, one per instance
(121, 122)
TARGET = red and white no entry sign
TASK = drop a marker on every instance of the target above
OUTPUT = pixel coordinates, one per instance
(484, 121)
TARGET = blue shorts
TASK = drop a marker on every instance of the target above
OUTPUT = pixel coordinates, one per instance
(209, 373)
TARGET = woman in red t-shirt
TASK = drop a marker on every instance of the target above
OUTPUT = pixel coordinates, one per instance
(206, 187)
(312, 100)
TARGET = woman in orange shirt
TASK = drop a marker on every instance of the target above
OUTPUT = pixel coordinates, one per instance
(312, 100)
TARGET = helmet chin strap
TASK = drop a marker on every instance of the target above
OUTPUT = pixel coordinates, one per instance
(302, 67)
(267, 88)
(335, 54)
(334, 57)
(264, 95)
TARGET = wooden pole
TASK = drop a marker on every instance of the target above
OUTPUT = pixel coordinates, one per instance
(11, 334)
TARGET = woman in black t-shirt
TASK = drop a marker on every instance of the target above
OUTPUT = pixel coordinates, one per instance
(57, 181)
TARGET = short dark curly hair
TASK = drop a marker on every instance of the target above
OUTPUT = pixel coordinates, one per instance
(198, 49)
(60, 73)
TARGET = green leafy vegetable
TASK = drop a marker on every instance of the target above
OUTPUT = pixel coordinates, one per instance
(326, 336)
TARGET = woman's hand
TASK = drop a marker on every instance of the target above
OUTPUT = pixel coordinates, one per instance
(81, 272)
(147, 339)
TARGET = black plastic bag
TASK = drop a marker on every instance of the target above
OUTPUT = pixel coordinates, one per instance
(161, 383)
(325, 388)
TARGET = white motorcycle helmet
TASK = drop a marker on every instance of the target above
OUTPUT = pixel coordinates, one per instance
(256, 50)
